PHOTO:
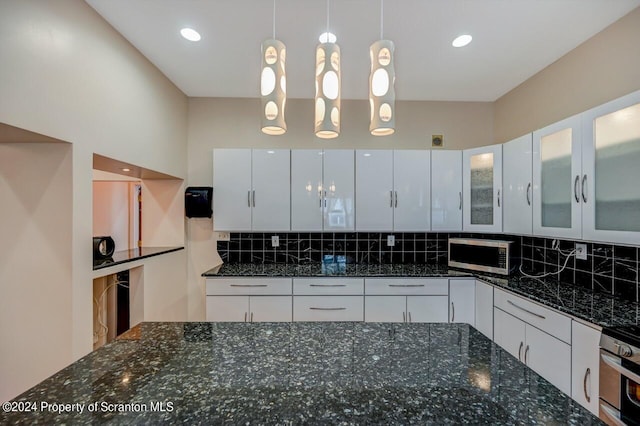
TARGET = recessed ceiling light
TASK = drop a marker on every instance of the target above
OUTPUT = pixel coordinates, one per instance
(126, 170)
(190, 34)
(327, 38)
(462, 40)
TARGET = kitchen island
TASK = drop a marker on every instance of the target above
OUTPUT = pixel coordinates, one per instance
(297, 373)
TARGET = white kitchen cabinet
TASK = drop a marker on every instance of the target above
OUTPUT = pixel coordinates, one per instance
(517, 175)
(427, 309)
(227, 308)
(339, 190)
(484, 309)
(306, 190)
(251, 190)
(557, 170)
(609, 189)
(585, 366)
(482, 189)
(392, 190)
(405, 309)
(328, 308)
(446, 190)
(509, 333)
(249, 308)
(462, 298)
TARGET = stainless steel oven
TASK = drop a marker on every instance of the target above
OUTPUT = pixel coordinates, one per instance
(620, 376)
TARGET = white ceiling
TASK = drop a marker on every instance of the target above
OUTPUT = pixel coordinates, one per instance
(512, 40)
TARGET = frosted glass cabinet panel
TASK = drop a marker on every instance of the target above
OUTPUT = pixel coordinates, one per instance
(610, 184)
(482, 189)
(556, 179)
(446, 190)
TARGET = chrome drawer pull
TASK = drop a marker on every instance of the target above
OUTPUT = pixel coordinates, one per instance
(453, 312)
(327, 285)
(327, 309)
(526, 351)
(575, 188)
(247, 285)
(529, 194)
(584, 384)
(520, 351)
(406, 285)
(526, 310)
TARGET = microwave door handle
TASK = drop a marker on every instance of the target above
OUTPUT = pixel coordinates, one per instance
(615, 364)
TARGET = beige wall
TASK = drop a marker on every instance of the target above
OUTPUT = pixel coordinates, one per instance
(111, 211)
(69, 75)
(603, 68)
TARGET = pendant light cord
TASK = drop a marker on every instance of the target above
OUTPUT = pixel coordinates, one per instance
(381, 18)
(274, 19)
(327, 20)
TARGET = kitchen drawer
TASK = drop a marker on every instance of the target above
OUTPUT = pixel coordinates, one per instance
(248, 286)
(328, 308)
(407, 286)
(532, 313)
(328, 286)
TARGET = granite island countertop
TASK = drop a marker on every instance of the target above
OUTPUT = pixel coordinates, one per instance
(300, 373)
(596, 308)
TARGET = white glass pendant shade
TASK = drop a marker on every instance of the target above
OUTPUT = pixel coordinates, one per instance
(327, 116)
(382, 94)
(273, 87)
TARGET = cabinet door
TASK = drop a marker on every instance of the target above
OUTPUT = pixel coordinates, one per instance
(517, 185)
(549, 357)
(328, 308)
(427, 309)
(462, 298)
(412, 190)
(232, 189)
(609, 185)
(270, 309)
(585, 366)
(270, 194)
(385, 308)
(338, 190)
(484, 309)
(446, 190)
(556, 180)
(509, 333)
(374, 190)
(306, 190)
(228, 308)
(482, 189)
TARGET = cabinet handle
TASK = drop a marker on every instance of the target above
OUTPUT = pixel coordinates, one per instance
(453, 312)
(526, 351)
(396, 194)
(410, 317)
(404, 317)
(327, 309)
(325, 198)
(498, 198)
(520, 351)
(526, 310)
(529, 194)
(327, 285)
(406, 285)
(460, 205)
(247, 285)
(584, 384)
(254, 198)
(616, 365)
(251, 320)
(248, 198)
(320, 199)
(612, 415)
(584, 186)
(575, 188)
(245, 317)
(390, 198)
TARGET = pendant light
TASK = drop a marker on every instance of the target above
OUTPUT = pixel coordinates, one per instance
(273, 84)
(382, 94)
(327, 99)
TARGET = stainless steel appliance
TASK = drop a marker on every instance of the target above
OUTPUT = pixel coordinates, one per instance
(620, 375)
(494, 256)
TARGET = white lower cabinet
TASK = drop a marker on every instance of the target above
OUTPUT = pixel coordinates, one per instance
(328, 308)
(585, 365)
(249, 308)
(484, 309)
(462, 297)
(427, 309)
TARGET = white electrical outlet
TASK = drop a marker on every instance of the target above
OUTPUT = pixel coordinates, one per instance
(223, 236)
(581, 251)
(275, 241)
(391, 240)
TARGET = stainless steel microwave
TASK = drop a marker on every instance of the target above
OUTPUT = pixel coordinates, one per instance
(492, 256)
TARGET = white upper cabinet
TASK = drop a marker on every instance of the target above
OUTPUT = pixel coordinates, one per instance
(232, 189)
(392, 190)
(556, 179)
(446, 190)
(339, 190)
(517, 209)
(306, 190)
(609, 185)
(482, 189)
(251, 190)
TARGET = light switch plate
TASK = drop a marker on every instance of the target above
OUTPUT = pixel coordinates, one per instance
(275, 241)
(391, 240)
(223, 236)
(581, 251)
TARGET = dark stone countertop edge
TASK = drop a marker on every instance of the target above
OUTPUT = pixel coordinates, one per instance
(126, 256)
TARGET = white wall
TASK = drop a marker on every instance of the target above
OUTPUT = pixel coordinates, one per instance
(69, 75)
(111, 211)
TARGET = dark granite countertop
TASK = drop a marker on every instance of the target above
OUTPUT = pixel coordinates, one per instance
(299, 373)
(597, 308)
(125, 256)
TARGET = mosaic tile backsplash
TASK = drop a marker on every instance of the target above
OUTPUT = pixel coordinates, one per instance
(608, 269)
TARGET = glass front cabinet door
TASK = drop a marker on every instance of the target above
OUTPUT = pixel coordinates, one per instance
(610, 183)
(482, 189)
(556, 179)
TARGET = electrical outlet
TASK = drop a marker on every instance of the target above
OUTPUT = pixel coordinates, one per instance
(275, 241)
(581, 251)
(391, 240)
(223, 236)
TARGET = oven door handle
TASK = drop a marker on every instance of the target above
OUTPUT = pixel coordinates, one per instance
(615, 364)
(612, 415)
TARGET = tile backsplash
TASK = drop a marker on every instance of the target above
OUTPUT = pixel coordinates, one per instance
(608, 268)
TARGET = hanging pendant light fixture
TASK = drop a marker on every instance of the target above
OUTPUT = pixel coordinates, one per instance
(327, 99)
(382, 94)
(273, 84)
